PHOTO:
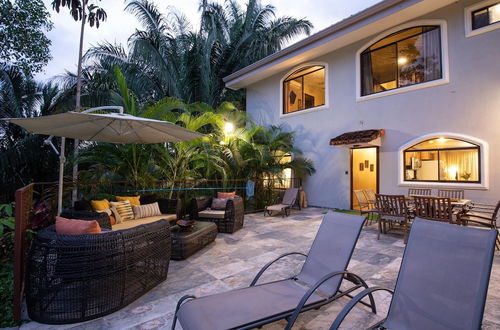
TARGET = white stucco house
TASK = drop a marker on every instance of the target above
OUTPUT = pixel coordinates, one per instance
(403, 94)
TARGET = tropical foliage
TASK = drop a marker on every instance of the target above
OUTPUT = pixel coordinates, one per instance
(6, 264)
(167, 57)
(23, 43)
(168, 71)
(23, 156)
(245, 152)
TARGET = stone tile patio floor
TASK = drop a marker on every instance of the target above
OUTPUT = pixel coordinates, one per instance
(233, 260)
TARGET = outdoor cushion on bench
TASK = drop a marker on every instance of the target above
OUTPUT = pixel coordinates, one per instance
(216, 214)
(443, 279)
(324, 268)
(228, 220)
(133, 223)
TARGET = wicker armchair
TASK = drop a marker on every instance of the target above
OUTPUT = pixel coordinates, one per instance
(101, 217)
(75, 278)
(228, 221)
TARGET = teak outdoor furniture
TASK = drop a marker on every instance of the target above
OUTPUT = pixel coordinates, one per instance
(452, 193)
(483, 217)
(228, 220)
(371, 196)
(365, 207)
(434, 208)
(76, 278)
(257, 305)
(185, 243)
(442, 282)
(392, 208)
(284, 207)
(419, 192)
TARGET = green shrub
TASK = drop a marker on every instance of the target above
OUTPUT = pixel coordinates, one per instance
(6, 265)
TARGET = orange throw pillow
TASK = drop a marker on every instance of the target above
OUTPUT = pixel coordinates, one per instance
(77, 227)
(112, 219)
(226, 194)
(134, 200)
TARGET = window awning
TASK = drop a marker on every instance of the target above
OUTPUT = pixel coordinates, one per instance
(358, 139)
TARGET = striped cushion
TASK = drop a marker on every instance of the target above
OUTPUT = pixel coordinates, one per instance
(147, 210)
(124, 210)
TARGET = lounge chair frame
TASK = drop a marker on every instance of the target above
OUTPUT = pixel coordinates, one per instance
(369, 292)
(292, 314)
(285, 210)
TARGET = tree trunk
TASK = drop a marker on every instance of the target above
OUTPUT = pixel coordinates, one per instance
(78, 97)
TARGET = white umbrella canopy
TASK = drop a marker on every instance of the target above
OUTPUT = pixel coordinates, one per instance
(112, 128)
(116, 128)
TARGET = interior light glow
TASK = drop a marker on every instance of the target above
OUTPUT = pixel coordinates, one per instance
(228, 128)
(402, 60)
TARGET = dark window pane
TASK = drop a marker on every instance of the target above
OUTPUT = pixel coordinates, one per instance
(480, 19)
(486, 16)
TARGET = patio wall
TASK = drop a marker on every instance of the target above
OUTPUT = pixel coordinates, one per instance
(469, 104)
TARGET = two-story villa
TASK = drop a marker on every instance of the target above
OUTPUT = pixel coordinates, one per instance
(403, 94)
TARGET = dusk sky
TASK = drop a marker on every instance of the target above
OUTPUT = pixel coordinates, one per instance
(120, 25)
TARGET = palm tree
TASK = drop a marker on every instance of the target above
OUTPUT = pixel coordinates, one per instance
(167, 58)
(23, 157)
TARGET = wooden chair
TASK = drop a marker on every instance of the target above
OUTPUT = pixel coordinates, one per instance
(482, 217)
(371, 196)
(392, 209)
(419, 192)
(365, 207)
(451, 193)
(434, 208)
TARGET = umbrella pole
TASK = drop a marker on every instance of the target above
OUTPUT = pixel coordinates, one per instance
(62, 160)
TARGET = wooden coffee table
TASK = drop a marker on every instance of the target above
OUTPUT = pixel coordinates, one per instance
(185, 243)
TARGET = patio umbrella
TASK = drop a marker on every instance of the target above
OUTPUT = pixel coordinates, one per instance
(116, 128)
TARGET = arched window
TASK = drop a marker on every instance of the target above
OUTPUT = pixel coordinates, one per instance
(404, 58)
(443, 160)
(304, 89)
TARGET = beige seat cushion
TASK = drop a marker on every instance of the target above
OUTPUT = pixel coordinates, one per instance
(133, 223)
(214, 214)
(277, 207)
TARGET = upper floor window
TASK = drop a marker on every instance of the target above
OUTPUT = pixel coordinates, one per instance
(485, 16)
(304, 89)
(443, 160)
(482, 17)
(407, 57)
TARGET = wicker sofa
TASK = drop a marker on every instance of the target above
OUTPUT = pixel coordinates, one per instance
(228, 220)
(171, 211)
(75, 278)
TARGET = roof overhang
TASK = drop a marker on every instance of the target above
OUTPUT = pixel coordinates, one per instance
(359, 139)
(375, 19)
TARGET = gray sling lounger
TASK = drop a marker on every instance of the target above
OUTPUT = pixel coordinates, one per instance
(287, 203)
(324, 268)
(443, 279)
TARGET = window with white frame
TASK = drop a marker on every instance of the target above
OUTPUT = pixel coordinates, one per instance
(407, 57)
(482, 17)
(443, 160)
(304, 89)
